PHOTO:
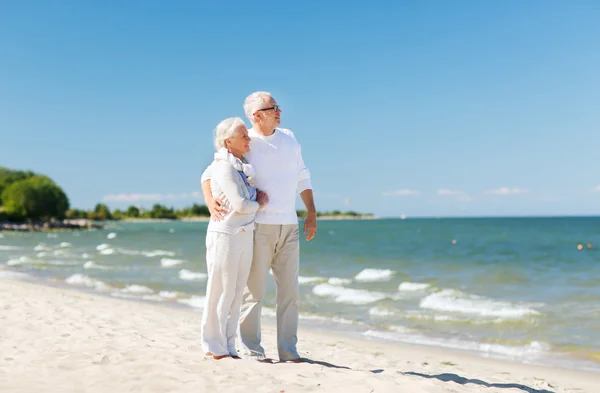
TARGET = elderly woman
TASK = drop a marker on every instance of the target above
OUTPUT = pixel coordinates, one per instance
(229, 242)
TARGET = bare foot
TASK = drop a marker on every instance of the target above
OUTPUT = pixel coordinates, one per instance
(210, 355)
(299, 360)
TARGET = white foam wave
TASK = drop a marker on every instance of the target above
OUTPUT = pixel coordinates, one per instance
(86, 281)
(9, 274)
(268, 312)
(158, 253)
(137, 289)
(102, 246)
(380, 312)
(111, 235)
(85, 255)
(339, 281)
(19, 261)
(168, 262)
(535, 349)
(65, 245)
(194, 301)
(9, 248)
(107, 251)
(94, 265)
(413, 286)
(372, 275)
(42, 247)
(310, 280)
(189, 275)
(455, 301)
(168, 294)
(347, 295)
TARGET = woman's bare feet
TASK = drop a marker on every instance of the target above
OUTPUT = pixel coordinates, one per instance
(210, 355)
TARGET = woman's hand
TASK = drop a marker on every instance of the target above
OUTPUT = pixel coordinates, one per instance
(262, 198)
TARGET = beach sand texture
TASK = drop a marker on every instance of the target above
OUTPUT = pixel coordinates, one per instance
(59, 340)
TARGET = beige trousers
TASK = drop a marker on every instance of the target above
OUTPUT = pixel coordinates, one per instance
(228, 259)
(276, 247)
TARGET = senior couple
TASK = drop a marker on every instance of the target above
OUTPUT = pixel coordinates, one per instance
(250, 189)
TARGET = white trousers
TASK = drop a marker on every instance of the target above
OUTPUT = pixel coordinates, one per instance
(228, 259)
(276, 247)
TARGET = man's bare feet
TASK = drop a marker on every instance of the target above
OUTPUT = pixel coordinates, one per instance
(299, 360)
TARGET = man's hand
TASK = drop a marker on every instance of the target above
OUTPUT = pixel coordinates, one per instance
(216, 209)
(310, 226)
(262, 198)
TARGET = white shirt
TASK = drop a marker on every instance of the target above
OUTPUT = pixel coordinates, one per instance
(280, 172)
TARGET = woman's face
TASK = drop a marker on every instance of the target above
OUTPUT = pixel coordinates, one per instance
(239, 143)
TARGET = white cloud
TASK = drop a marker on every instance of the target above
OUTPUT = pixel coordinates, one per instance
(445, 191)
(507, 191)
(460, 196)
(597, 189)
(402, 192)
(151, 197)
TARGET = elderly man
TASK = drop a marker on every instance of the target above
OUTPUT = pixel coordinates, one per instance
(276, 157)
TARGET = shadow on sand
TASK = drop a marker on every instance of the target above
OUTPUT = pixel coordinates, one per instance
(463, 381)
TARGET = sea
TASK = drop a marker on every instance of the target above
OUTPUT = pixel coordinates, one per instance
(522, 289)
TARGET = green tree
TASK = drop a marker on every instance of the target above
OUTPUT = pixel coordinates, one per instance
(117, 214)
(102, 212)
(160, 211)
(9, 176)
(34, 198)
(133, 212)
(76, 213)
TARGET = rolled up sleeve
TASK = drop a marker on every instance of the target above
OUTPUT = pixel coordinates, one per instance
(304, 182)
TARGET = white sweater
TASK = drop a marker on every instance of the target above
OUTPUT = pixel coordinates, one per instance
(280, 172)
(228, 185)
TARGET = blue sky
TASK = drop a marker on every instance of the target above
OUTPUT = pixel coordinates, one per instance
(429, 108)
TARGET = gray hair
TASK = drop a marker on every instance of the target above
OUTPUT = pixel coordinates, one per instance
(226, 129)
(254, 102)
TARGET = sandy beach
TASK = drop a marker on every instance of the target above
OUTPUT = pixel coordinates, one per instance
(60, 340)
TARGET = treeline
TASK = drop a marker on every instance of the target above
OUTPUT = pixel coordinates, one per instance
(25, 195)
(102, 213)
(334, 213)
(28, 196)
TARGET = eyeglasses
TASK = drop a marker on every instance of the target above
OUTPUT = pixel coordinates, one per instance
(274, 107)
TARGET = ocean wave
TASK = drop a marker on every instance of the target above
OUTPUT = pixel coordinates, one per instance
(310, 280)
(380, 312)
(19, 261)
(339, 281)
(102, 246)
(65, 245)
(86, 281)
(168, 262)
(10, 274)
(107, 251)
(533, 350)
(111, 235)
(348, 295)
(451, 300)
(373, 275)
(194, 302)
(10, 248)
(189, 275)
(42, 247)
(168, 294)
(158, 253)
(137, 289)
(94, 265)
(413, 286)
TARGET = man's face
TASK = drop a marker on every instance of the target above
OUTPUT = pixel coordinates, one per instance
(269, 115)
